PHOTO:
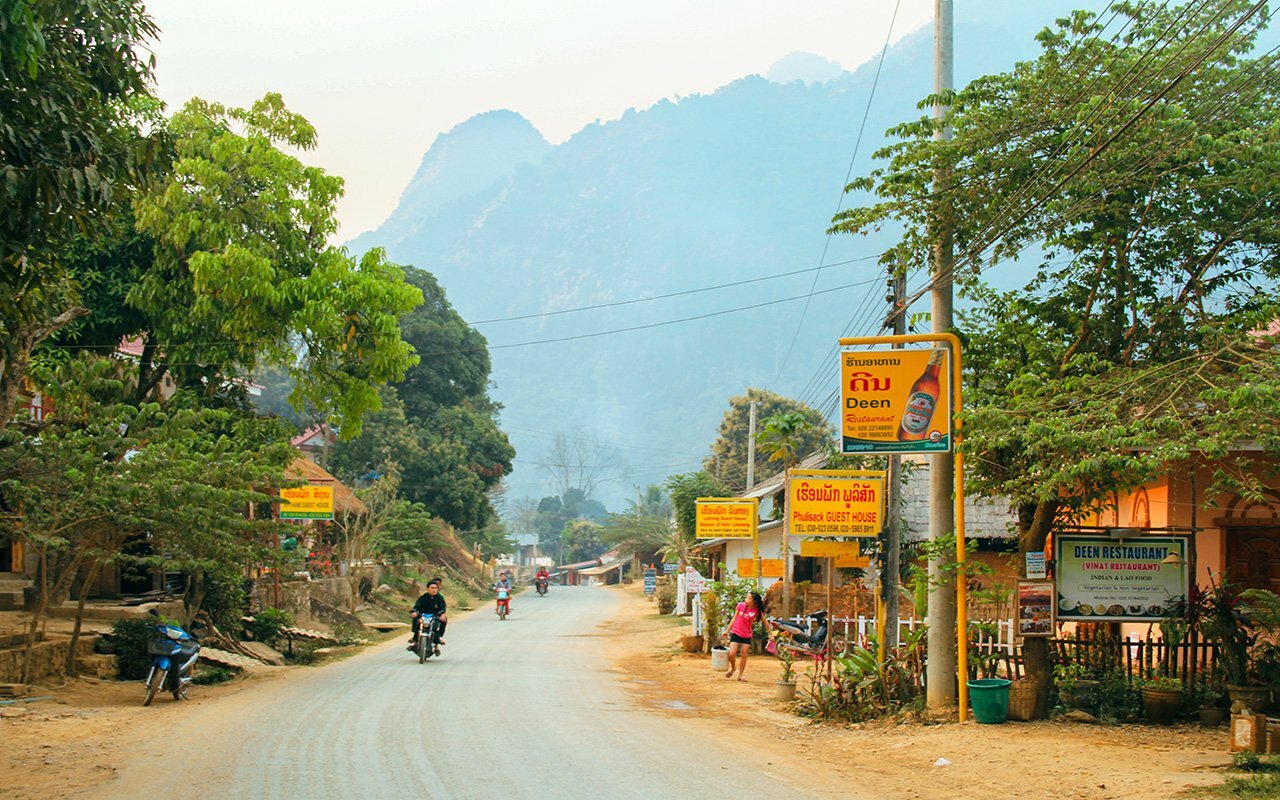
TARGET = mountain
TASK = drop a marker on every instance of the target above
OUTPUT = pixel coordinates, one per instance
(689, 193)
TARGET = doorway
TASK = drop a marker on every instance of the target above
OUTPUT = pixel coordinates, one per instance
(1253, 558)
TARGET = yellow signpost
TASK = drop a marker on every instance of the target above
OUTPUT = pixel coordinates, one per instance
(833, 502)
(729, 518)
(895, 401)
(306, 502)
(946, 400)
(828, 548)
(769, 568)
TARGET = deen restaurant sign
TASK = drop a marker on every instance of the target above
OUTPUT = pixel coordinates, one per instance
(895, 401)
(1101, 579)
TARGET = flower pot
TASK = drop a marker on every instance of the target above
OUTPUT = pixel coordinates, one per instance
(720, 658)
(692, 644)
(1078, 694)
(1161, 705)
(1212, 717)
(1249, 699)
(786, 692)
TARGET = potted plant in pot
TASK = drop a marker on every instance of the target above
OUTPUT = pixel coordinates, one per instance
(1244, 626)
(785, 688)
(1208, 697)
(1075, 690)
(1161, 699)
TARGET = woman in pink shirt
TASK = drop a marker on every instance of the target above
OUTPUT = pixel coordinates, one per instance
(745, 617)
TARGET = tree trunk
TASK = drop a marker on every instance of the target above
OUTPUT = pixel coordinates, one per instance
(193, 598)
(73, 668)
(1034, 523)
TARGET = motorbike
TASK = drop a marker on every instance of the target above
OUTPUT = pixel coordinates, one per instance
(504, 603)
(541, 584)
(428, 633)
(798, 638)
(173, 659)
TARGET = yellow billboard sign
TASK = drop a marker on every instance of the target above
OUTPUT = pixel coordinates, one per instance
(726, 518)
(769, 568)
(895, 401)
(844, 554)
(306, 502)
(835, 502)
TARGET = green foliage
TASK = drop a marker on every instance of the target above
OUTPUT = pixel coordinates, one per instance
(728, 459)
(1163, 683)
(225, 599)
(1261, 780)
(859, 689)
(642, 529)
(783, 437)
(211, 676)
(787, 660)
(1130, 344)
(666, 597)
(1117, 698)
(268, 623)
(128, 640)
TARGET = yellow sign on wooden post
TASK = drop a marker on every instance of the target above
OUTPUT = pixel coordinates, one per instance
(306, 502)
(769, 568)
(835, 502)
(828, 548)
(895, 401)
(726, 518)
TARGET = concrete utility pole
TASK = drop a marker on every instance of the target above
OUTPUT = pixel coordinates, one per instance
(751, 448)
(940, 670)
(892, 568)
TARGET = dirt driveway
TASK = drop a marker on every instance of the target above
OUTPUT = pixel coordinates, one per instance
(1014, 760)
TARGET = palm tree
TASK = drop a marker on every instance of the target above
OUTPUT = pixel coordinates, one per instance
(780, 438)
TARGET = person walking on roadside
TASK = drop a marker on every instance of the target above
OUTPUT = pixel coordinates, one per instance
(745, 617)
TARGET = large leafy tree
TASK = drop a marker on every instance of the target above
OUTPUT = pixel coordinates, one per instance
(1144, 167)
(74, 83)
(728, 459)
(438, 423)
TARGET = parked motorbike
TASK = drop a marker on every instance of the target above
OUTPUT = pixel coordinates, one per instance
(428, 634)
(799, 639)
(541, 585)
(173, 659)
(504, 603)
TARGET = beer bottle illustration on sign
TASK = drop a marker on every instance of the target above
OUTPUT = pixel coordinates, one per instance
(922, 401)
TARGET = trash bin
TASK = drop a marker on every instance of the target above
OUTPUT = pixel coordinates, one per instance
(990, 700)
(720, 658)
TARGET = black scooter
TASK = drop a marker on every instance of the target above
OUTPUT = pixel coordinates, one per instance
(798, 639)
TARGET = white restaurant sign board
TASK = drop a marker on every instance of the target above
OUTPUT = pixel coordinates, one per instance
(1101, 579)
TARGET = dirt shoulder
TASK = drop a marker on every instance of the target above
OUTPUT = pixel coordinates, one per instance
(1046, 759)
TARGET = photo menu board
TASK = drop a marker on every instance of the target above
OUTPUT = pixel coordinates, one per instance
(1100, 579)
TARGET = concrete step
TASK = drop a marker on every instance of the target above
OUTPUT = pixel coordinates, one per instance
(11, 600)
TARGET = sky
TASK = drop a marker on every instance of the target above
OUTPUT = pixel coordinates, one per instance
(381, 79)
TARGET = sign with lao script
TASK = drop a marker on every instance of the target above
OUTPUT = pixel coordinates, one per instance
(832, 502)
(726, 518)
(306, 502)
(895, 401)
(769, 568)
(1101, 579)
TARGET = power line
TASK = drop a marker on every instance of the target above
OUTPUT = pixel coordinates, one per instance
(844, 188)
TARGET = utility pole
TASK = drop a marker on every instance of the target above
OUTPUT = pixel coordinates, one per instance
(940, 671)
(751, 448)
(891, 566)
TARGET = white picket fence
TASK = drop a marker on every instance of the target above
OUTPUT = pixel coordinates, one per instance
(857, 630)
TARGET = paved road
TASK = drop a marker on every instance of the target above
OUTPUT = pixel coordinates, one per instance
(525, 708)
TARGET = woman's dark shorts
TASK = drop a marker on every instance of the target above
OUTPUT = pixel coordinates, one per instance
(736, 639)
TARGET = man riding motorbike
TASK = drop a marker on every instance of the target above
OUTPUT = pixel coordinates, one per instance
(542, 580)
(431, 602)
(505, 582)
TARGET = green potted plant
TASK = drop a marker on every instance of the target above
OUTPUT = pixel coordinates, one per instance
(1208, 698)
(1244, 625)
(1161, 699)
(1075, 690)
(785, 688)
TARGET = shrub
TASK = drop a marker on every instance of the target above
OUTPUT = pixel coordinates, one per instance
(208, 676)
(268, 623)
(667, 597)
(128, 640)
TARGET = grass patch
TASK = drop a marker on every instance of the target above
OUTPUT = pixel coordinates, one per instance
(209, 676)
(1253, 777)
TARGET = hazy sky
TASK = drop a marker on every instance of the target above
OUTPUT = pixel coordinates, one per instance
(380, 79)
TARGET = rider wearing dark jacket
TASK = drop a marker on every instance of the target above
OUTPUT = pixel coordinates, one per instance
(431, 602)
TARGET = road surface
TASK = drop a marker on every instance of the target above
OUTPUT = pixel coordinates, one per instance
(526, 708)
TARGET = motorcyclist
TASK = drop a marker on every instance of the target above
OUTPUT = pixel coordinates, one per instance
(431, 602)
(543, 576)
(505, 582)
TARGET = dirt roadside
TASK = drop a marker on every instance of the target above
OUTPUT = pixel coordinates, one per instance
(881, 759)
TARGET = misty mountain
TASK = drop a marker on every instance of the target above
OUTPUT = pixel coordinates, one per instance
(689, 193)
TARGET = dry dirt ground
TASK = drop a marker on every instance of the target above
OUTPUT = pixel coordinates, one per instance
(897, 760)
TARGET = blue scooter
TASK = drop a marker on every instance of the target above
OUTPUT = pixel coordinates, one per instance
(173, 658)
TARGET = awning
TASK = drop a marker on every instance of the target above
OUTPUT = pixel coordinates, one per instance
(601, 570)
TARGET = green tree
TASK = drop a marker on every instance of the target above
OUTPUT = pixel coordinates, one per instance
(685, 489)
(642, 529)
(1134, 343)
(73, 80)
(728, 459)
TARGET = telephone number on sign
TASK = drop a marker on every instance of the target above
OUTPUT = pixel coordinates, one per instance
(834, 530)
